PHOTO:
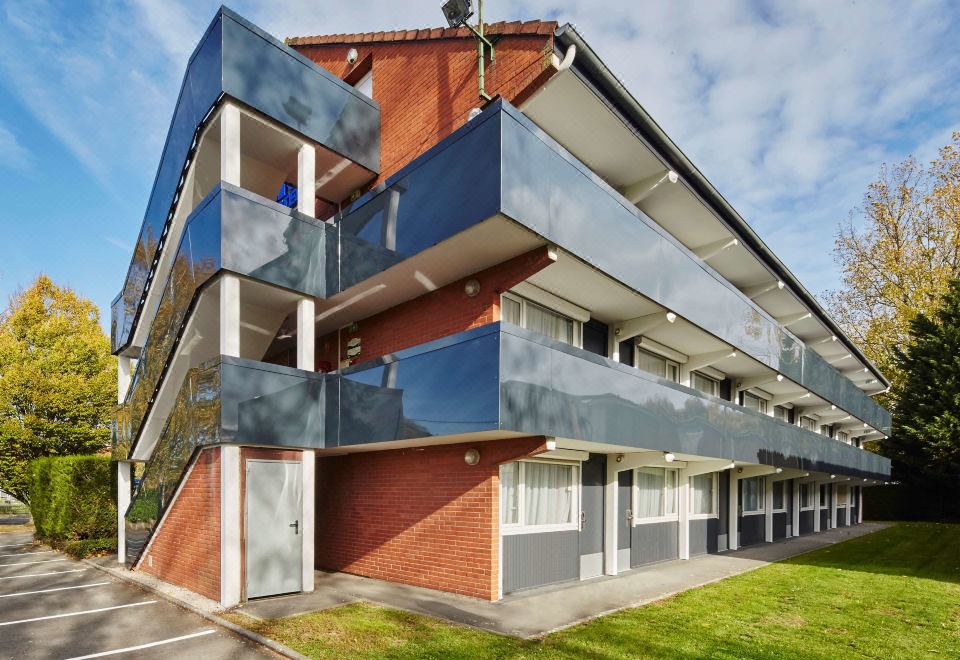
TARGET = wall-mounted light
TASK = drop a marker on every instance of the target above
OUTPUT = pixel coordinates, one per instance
(833, 476)
(731, 466)
(471, 457)
(779, 470)
(472, 288)
(739, 470)
(352, 55)
(669, 457)
(619, 458)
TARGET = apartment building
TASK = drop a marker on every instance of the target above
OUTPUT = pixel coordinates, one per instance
(383, 320)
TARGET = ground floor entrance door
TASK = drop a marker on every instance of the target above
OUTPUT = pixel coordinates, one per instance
(593, 474)
(274, 542)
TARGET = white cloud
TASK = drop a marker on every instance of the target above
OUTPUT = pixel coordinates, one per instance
(788, 107)
(14, 155)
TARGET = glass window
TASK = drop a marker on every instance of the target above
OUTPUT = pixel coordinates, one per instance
(753, 402)
(509, 493)
(806, 496)
(752, 499)
(657, 365)
(781, 413)
(825, 430)
(511, 311)
(536, 493)
(823, 496)
(704, 383)
(842, 436)
(656, 493)
(841, 495)
(808, 424)
(779, 495)
(537, 318)
(703, 494)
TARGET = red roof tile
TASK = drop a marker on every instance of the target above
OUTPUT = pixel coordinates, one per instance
(499, 28)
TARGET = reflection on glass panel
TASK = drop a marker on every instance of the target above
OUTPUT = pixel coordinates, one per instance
(779, 499)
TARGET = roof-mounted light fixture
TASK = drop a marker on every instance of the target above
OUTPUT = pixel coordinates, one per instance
(457, 13)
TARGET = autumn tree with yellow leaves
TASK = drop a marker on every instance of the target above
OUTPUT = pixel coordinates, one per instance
(898, 254)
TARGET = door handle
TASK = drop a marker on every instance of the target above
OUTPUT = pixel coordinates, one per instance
(296, 526)
(629, 514)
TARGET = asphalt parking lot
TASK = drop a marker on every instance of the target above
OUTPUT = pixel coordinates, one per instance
(54, 607)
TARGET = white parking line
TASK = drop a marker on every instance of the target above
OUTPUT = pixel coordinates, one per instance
(61, 616)
(24, 563)
(21, 554)
(17, 577)
(46, 591)
(145, 646)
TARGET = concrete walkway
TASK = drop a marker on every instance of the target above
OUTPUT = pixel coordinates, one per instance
(537, 612)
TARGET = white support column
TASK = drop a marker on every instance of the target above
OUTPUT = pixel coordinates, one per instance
(230, 144)
(859, 504)
(768, 509)
(306, 327)
(795, 512)
(124, 374)
(733, 513)
(309, 482)
(846, 510)
(832, 492)
(123, 502)
(816, 506)
(230, 518)
(684, 514)
(307, 180)
(610, 522)
(230, 315)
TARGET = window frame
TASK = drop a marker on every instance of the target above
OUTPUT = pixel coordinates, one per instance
(668, 364)
(813, 496)
(715, 503)
(845, 439)
(815, 424)
(845, 489)
(762, 405)
(525, 302)
(782, 485)
(786, 414)
(716, 383)
(521, 527)
(824, 496)
(761, 497)
(635, 498)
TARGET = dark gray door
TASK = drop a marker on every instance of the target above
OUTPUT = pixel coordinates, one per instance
(624, 518)
(274, 543)
(592, 473)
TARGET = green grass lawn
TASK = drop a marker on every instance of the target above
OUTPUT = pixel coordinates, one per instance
(893, 594)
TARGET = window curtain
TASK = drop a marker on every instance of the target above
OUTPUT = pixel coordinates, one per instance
(510, 310)
(650, 487)
(548, 491)
(702, 486)
(652, 364)
(509, 494)
(546, 322)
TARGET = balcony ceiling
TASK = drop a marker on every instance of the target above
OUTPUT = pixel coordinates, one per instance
(617, 154)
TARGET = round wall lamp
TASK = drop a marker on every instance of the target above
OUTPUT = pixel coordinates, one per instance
(668, 457)
(352, 55)
(471, 457)
(472, 288)
(779, 470)
(619, 458)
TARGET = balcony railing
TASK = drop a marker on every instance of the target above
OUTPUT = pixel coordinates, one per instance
(238, 60)
(500, 162)
(234, 230)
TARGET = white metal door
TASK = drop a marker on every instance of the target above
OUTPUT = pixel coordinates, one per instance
(274, 543)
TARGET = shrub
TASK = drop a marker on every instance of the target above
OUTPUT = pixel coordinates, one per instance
(71, 498)
(89, 547)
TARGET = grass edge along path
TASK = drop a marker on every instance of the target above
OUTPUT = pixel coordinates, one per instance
(891, 594)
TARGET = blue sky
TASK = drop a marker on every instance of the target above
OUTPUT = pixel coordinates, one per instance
(789, 108)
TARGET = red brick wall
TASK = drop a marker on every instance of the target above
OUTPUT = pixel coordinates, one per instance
(186, 549)
(440, 313)
(416, 516)
(426, 88)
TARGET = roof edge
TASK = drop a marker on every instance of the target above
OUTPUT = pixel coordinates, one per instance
(531, 28)
(607, 82)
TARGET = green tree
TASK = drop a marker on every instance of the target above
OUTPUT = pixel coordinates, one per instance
(897, 254)
(58, 382)
(926, 425)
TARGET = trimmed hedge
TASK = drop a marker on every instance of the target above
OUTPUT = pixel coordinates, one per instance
(71, 498)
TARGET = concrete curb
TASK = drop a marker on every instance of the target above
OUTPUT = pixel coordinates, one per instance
(273, 645)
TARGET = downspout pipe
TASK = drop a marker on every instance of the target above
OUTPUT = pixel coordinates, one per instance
(596, 72)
